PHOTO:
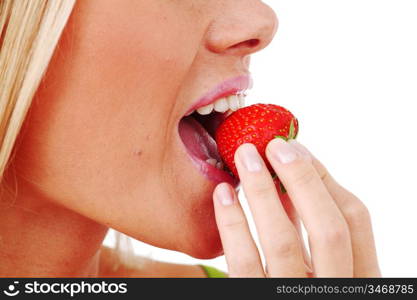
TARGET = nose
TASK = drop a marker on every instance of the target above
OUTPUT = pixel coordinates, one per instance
(241, 28)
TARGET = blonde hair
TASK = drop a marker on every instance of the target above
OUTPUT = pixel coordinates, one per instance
(30, 32)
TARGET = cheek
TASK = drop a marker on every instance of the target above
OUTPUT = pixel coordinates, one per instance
(144, 53)
(106, 94)
(100, 129)
(69, 153)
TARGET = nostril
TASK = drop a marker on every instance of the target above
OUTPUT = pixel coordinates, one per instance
(252, 43)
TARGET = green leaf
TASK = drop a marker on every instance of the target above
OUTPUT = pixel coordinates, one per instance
(291, 134)
(281, 137)
(296, 134)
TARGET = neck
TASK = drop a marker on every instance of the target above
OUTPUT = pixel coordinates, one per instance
(41, 239)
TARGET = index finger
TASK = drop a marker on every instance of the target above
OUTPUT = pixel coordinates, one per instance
(277, 235)
(358, 218)
(325, 224)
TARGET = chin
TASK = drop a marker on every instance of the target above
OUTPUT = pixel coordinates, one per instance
(208, 247)
(202, 239)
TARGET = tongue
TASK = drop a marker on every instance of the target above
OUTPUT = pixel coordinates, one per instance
(212, 121)
(197, 140)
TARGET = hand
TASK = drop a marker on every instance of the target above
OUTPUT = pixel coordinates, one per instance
(338, 224)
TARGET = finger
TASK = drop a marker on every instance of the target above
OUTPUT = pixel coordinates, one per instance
(328, 231)
(241, 254)
(357, 216)
(295, 219)
(277, 235)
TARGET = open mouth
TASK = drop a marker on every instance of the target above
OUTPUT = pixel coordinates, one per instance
(197, 132)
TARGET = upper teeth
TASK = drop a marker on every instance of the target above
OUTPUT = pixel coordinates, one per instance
(233, 102)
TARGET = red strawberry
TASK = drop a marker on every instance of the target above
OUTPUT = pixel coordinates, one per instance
(257, 124)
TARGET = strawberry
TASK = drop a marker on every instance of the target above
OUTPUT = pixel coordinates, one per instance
(257, 124)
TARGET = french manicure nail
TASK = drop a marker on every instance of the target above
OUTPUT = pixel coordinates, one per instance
(284, 152)
(224, 195)
(301, 149)
(250, 157)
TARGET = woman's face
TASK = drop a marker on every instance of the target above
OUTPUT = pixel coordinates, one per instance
(104, 135)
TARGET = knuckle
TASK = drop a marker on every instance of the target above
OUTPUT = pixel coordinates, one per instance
(303, 176)
(261, 190)
(285, 246)
(234, 224)
(335, 236)
(357, 214)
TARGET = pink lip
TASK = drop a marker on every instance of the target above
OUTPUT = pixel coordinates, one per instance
(193, 134)
(213, 174)
(228, 87)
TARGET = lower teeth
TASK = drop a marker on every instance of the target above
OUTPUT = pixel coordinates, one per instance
(212, 161)
(218, 164)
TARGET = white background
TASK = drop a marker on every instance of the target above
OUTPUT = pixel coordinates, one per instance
(348, 70)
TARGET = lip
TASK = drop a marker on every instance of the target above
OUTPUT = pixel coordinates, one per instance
(226, 88)
(207, 170)
(212, 173)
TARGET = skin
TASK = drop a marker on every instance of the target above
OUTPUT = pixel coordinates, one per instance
(338, 224)
(100, 149)
(100, 146)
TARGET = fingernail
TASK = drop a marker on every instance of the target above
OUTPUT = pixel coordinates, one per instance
(301, 149)
(250, 157)
(284, 152)
(224, 195)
